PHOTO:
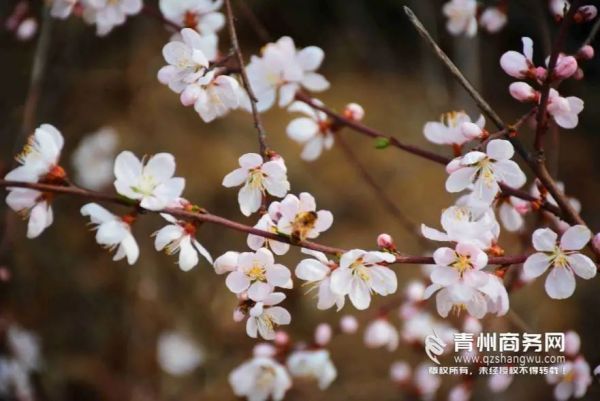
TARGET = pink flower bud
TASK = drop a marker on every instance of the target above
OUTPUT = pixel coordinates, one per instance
(354, 111)
(596, 241)
(578, 76)
(415, 291)
(281, 337)
(238, 315)
(27, 29)
(586, 53)
(540, 73)
(566, 66)
(572, 343)
(385, 241)
(400, 372)
(4, 274)
(348, 324)
(190, 94)
(522, 92)
(323, 334)
(471, 130)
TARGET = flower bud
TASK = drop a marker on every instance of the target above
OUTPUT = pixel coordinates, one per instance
(400, 372)
(566, 66)
(493, 19)
(348, 324)
(281, 338)
(354, 111)
(265, 350)
(381, 333)
(190, 94)
(238, 315)
(586, 53)
(323, 334)
(596, 241)
(585, 13)
(499, 382)
(523, 92)
(572, 343)
(27, 29)
(385, 241)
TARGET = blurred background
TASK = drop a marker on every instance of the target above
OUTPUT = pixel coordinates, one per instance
(98, 322)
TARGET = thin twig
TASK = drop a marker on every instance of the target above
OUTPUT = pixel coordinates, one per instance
(425, 154)
(592, 34)
(540, 170)
(378, 191)
(206, 217)
(262, 135)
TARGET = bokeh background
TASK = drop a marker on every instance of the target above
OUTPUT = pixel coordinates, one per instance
(99, 321)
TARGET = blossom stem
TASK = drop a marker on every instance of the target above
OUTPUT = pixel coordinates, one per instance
(262, 135)
(206, 217)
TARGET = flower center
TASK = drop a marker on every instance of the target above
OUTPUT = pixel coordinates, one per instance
(303, 224)
(190, 19)
(146, 185)
(463, 263)
(257, 273)
(256, 178)
(266, 377)
(559, 258)
(360, 270)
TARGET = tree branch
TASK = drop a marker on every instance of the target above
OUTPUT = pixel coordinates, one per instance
(206, 217)
(262, 135)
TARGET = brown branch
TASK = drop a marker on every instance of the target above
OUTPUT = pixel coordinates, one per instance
(540, 170)
(206, 217)
(370, 132)
(262, 135)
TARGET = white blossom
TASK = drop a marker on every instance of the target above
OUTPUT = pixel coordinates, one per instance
(313, 131)
(449, 130)
(179, 236)
(519, 65)
(265, 317)
(381, 333)
(317, 273)
(178, 354)
(258, 274)
(462, 284)
(511, 211)
(462, 17)
(94, 157)
(493, 19)
(282, 70)
(259, 379)
(107, 14)
(314, 365)
(200, 15)
(258, 179)
(564, 110)
(151, 182)
(485, 171)
(573, 379)
(112, 232)
(300, 217)
(268, 222)
(360, 273)
(562, 258)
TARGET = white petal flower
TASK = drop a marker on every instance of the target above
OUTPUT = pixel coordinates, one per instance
(317, 273)
(179, 236)
(266, 223)
(485, 171)
(258, 274)
(381, 333)
(564, 110)
(360, 273)
(152, 183)
(178, 354)
(314, 365)
(258, 178)
(493, 19)
(511, 213)
(112, 232)
(260, 379)
(283, 70)
(461, 16)
(41, 154)
(94, 157)
(107, 14)
(519, 65)
(449, 130)
(313, 130)
(573, 379)
(562, 258)
(264, 317)
(465, 224)
(300, 218)
(200, 15)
